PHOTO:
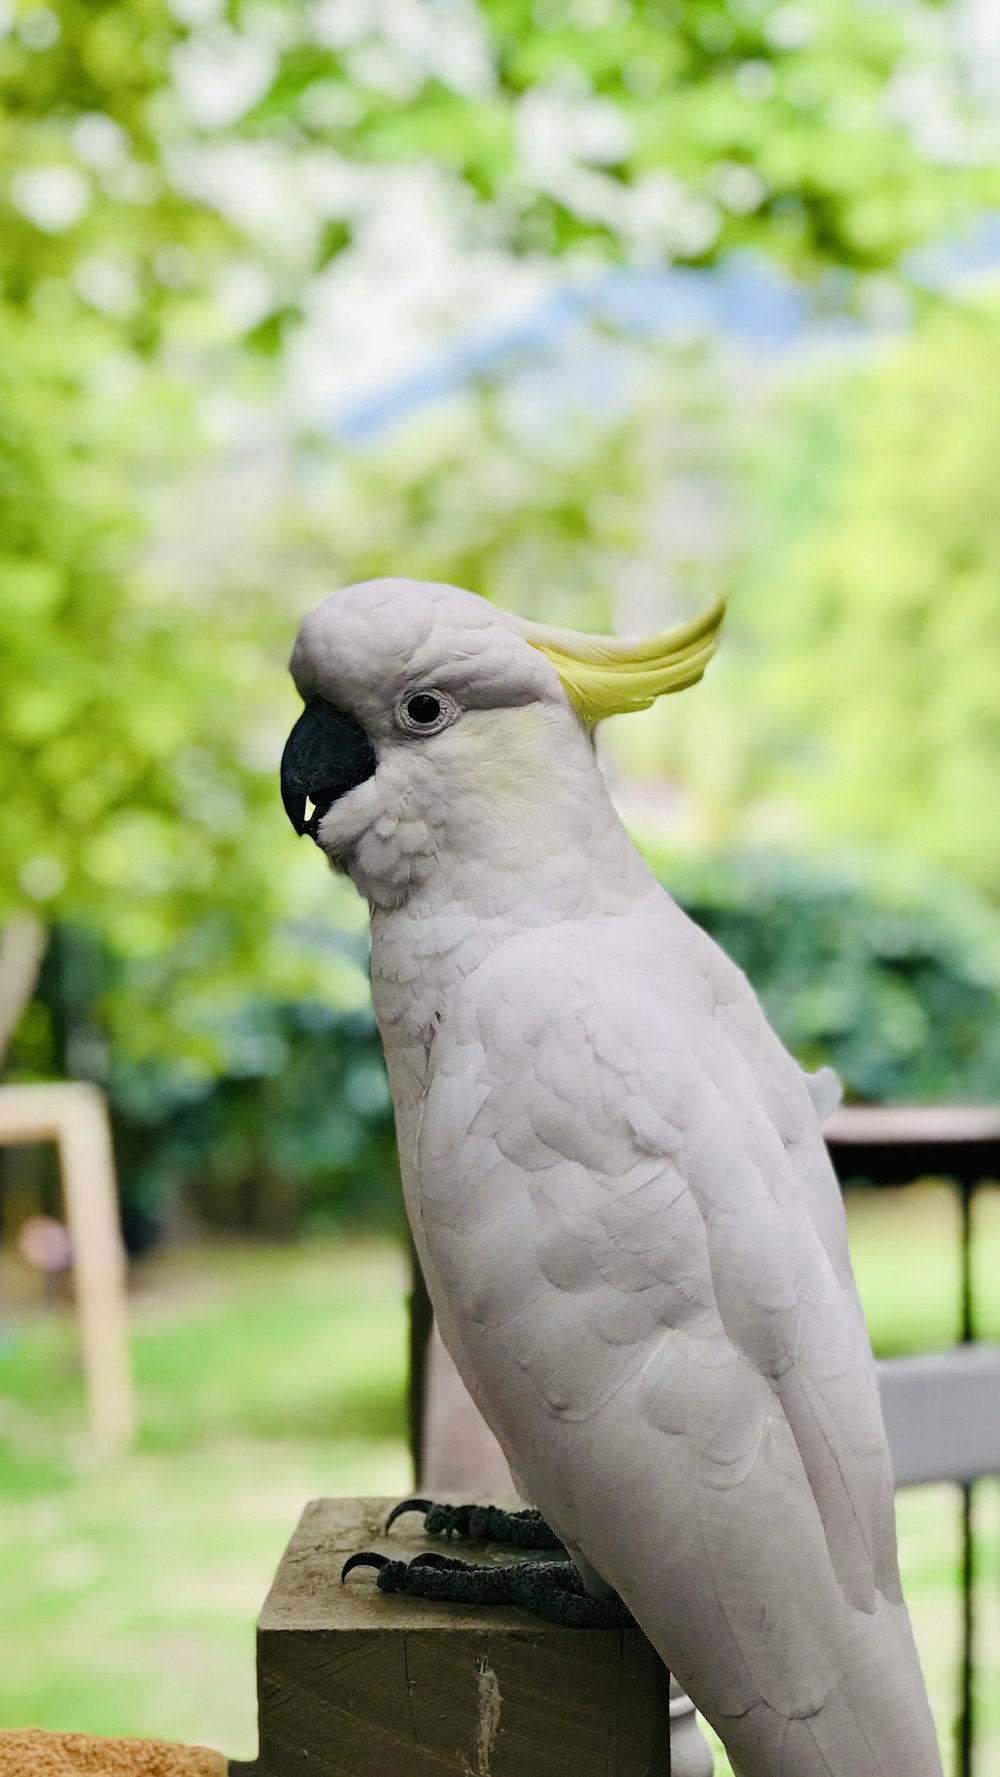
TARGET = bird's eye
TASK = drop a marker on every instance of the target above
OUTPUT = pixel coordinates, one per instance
(426, 712)
(424, 708)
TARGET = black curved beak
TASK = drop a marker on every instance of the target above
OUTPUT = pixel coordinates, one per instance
(326, 754)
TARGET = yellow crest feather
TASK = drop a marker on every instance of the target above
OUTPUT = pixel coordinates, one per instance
(603, 676)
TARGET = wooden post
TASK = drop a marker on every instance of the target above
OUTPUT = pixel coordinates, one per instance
(355, 1683)
(75, 1117)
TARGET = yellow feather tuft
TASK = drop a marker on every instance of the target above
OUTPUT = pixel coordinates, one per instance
(603, 676)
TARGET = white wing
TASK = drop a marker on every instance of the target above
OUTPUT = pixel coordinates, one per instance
(636, 1249)
(825, 1091)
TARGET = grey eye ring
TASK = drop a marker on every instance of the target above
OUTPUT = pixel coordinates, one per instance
(426, 711)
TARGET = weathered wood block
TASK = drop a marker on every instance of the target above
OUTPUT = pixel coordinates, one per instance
(356, 1683)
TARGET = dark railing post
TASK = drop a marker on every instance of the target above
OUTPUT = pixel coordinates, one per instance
(421, 1322)
(894, 1145)
(965, 1729)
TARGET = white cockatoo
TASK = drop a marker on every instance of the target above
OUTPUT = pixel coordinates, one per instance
(614, 1172)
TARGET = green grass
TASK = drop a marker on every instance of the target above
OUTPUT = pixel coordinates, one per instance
(268, 1376)
(905, 1247)
(130, 1592)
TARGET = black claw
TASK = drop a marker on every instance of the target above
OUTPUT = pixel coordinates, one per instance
(391, 1574)
(430, 1558)
(366, 1559)
(408, 1505)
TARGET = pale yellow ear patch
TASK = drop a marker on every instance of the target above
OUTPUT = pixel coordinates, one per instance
(603, 676)
(503, 752)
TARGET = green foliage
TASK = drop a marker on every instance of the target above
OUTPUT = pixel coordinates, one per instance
(550, 522)
(131, 795)
(648, 127)
(132, 798)
(262, 1115)
(296, 1133)
(894, 984)
(859, 698)
(141, 139)
(897, 596)
(143, 708)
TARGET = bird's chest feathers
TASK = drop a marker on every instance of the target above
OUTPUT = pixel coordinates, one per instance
(411, 996)
(422, 962)
(439, 1085)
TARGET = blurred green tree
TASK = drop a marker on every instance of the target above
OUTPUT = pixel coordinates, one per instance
(133, 798)
(135, 718)
(176, 181)
(828, 134)
(135, 140)
(859, 698)
(896, 594)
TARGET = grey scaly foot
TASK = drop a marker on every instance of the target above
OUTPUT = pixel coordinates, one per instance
(550, 1589)
(481, 1524)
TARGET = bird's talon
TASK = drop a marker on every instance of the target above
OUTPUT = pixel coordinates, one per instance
(408, 1505)
(391, 1574)
(478, 1523)
(445, 1520)
(367, 1558)
(431, 1558)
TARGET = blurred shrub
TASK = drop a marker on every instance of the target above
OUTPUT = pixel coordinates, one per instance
(290, 1127)
(896, 985)
(295, 1134)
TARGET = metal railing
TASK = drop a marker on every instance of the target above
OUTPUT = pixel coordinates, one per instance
(942, 1411)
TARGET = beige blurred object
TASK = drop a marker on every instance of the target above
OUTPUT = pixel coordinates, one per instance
(75, 1117)
(22, 946)
(32, 1753)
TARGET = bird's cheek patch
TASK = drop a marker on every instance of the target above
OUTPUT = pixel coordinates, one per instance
(502, 754)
